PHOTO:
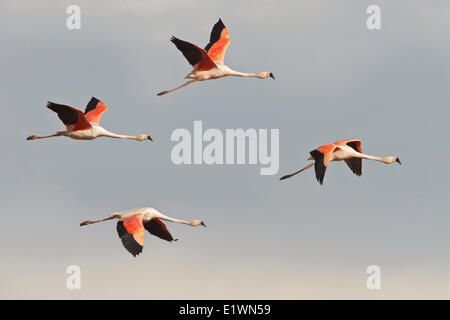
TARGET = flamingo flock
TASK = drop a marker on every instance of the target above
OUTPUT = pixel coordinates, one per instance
(207, 63)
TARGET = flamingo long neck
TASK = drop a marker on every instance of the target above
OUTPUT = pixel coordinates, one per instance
(118, 136)
(243, 74)
(164, 217)
(369, 157)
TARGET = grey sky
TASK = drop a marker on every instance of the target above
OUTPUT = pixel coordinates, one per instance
(265, 238)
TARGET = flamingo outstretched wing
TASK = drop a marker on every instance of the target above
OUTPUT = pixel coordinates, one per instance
(355, 164)
(72, 118)
(131, 232)
(94, 110)
(218, 42)
(321, 157)
(158, 228)
(195, 55)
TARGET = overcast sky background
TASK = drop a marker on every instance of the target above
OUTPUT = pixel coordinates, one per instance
(265, 238)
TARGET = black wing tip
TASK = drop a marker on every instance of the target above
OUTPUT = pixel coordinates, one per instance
(320, 178)
(157, 228)
(54, 106)
(215, 34)
(176, 41)
(132, 247)
(94, 99)
(220, 23)
(136, 251)
(167, 238)
(319, 166)
(315, 154)
(92, 104)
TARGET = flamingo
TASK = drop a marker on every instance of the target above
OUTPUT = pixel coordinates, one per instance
(133, 223)
(85, 126)
(208, 63)
(348, 150)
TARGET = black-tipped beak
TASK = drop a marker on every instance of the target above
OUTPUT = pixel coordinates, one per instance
(272, 76)
(203, 224)
(150, 138)
(398, 160)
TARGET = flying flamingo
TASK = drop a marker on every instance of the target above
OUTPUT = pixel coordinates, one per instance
(348, 150)
(133, 223)
(208, 63)
(85, 126)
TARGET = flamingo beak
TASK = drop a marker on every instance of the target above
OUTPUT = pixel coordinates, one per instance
(398, 160)
(272, 76)
(150, 138)
(203, 224)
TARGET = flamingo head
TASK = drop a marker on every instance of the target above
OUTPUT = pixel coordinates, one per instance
(195, 223)
(265, 74)
(391, 160)
(143, 137)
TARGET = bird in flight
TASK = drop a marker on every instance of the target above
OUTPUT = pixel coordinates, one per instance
(348, 150)
(133, 223)
(208, 63)
(84, 126)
